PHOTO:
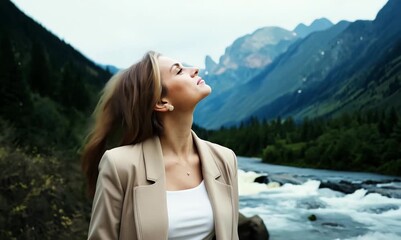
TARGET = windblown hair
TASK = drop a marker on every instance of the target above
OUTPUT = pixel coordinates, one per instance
(124, 114)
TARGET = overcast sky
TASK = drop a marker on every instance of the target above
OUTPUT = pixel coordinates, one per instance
(119, 32)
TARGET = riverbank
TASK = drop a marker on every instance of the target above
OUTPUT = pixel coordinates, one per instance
(342, 181)
(287, 207)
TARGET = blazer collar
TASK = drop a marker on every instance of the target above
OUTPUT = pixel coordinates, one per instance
(154, 165)
(153, 156)
(208, 163)
(220, 194)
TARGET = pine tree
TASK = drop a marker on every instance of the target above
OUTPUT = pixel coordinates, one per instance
(74, 94)
(39, 78)
(396, 134)
(15, 101)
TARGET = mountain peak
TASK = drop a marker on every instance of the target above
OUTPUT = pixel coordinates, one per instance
(320, 24)
(210, 64)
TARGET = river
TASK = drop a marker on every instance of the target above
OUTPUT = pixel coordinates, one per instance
(371, 212)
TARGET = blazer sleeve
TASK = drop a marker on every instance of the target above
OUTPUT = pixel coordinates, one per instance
(107, 202)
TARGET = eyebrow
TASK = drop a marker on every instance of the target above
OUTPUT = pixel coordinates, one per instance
(174, 65)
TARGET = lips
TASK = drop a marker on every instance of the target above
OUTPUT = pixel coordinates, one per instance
(200, 80)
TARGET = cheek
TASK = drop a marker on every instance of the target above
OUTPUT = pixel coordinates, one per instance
(179, 88)
(182, 94)
(176, 92)
(174, 89)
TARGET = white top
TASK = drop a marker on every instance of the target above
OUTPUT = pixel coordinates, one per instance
(190, 214)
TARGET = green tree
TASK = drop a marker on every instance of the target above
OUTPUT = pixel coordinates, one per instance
(396, 134)
(39, 77)
(48, 126)
(15, 100)
(74, 92)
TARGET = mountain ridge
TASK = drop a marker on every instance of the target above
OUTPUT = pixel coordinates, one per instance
(320, 24)
(323, 58)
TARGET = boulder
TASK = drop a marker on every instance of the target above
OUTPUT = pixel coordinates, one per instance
(262, 179)
(252, 228)
(312, 217)
(341, 186)
(285, 178)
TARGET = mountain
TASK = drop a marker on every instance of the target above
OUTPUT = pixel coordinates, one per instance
(246, 57)
(242, 60)
(359, 81)
(325, 67)
(256, 49)
(295, 64)
(110, 68)
(251, 53)
(317, 25)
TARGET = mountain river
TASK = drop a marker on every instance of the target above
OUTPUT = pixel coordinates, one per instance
(289, 196)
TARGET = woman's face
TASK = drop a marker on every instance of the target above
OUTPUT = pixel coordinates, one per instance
(184, 87)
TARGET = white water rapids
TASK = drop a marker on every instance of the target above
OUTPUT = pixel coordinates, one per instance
(361, 215)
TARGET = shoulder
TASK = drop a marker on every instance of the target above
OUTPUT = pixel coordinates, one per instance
(120, 161)
(222, 155)
(219, 150)
(225, 156)
(122, 154)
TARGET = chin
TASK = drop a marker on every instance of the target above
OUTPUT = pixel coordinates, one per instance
(207, 91)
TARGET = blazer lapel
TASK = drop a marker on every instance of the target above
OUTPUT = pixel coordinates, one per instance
(220, 194)
(150, 204)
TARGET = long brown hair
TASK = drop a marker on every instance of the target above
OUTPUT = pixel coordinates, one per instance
(124, 114)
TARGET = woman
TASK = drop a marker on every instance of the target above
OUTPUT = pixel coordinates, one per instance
(158, 180)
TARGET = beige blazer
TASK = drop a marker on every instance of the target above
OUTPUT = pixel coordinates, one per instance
(130, 200)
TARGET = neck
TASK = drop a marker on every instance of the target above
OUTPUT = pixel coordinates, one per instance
(176, 138)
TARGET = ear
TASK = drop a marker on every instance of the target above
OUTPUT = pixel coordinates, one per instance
(161, 106)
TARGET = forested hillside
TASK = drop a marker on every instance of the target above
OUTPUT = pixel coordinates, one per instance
(48, 90)
(368, 141)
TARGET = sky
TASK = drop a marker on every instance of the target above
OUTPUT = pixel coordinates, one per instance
(119, 32)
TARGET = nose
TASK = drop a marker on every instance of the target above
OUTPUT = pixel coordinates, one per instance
(195, 72)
